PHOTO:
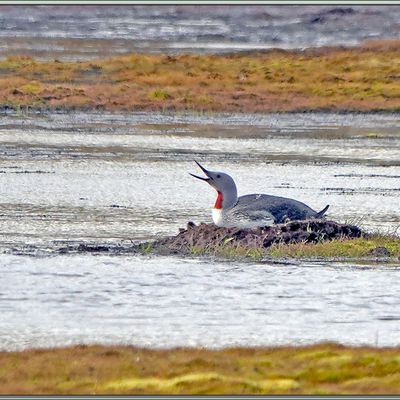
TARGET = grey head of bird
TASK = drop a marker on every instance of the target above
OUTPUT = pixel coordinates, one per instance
(223, 184)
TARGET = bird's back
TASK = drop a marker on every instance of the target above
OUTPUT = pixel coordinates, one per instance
(281, 208)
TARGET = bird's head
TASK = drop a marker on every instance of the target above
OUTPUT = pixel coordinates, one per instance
(221, 182)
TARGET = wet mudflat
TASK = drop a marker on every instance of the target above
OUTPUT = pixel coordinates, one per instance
(118, 179)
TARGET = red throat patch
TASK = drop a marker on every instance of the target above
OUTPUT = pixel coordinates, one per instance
(218, 203)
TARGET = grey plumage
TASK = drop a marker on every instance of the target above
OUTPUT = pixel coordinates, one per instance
(252, 210)
(280, 208)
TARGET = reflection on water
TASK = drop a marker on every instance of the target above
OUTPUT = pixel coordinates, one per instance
(118, 179)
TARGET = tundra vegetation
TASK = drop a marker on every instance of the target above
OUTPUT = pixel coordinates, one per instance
(363, 78)
(318, 369)
(373, 247)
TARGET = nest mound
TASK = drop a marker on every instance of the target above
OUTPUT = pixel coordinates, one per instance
(210, 236)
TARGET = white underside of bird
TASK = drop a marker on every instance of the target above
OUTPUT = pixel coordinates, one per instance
(236, 218)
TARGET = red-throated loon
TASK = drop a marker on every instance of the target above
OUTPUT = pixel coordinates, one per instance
(252, 210)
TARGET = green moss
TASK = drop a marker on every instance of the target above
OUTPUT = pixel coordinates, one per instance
(146, 248)
(169, 385)
(15, 62)
(197, 251)
(373, 135)
(160, 94)
(344, 248)
(229, 251)
(31, 88)
(348, 248)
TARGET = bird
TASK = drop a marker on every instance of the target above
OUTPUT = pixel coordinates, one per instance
(252, 210)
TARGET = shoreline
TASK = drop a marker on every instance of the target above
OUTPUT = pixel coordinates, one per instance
(363, 79)
(324, 368)
(10, 110)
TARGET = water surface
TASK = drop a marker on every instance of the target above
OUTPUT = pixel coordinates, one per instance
(164, 302)
(85, 32)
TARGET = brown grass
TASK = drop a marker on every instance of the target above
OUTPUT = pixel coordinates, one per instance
(364, 78)
(318, 369)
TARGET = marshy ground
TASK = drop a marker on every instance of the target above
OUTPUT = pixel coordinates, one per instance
(318, 369)
(363, 78)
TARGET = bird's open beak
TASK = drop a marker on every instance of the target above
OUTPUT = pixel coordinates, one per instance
(204, 170)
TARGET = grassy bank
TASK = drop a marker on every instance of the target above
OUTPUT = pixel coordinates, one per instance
(372, 247)
(365, 78)
(318, 369)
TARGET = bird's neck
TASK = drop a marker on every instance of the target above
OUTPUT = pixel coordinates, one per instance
(219, 201)
(225, 200)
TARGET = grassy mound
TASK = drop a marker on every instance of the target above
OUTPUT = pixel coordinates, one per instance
(295, 239)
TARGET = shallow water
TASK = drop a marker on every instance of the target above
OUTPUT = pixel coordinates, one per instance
(161, 302)
(84, 32)
(117, 179)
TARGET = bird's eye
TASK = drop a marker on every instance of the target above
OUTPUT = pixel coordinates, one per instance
(218, 176)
